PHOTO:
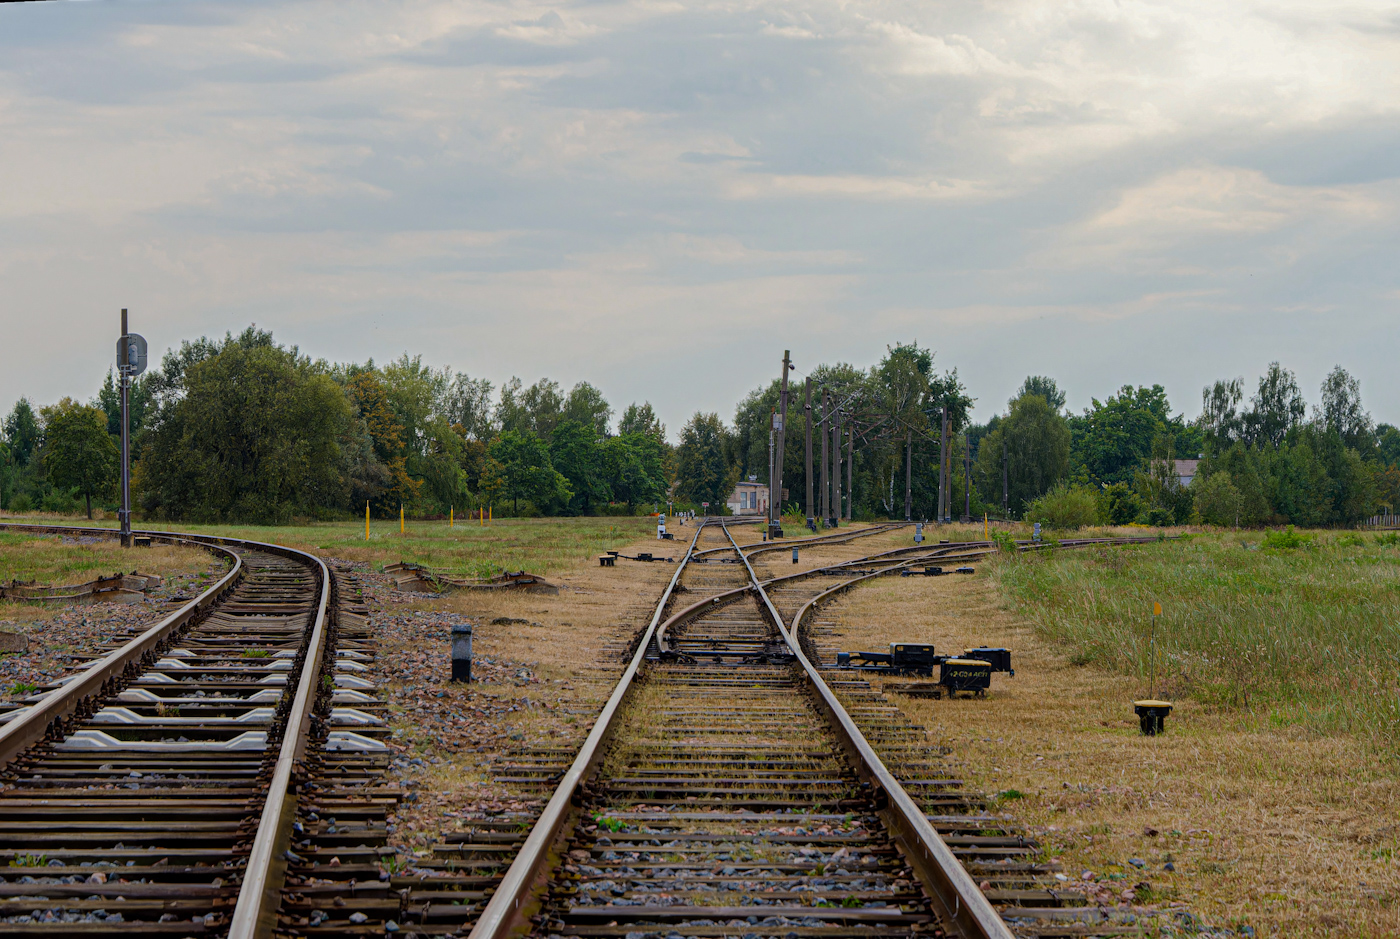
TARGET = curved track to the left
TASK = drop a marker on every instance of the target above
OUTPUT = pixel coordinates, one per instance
(155, 792)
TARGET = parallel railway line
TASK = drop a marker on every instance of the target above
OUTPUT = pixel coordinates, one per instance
(223, 774)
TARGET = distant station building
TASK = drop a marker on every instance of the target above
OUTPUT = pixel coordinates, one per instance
(750, 497)
(1183, 471)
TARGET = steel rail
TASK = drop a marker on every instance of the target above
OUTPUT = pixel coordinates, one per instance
(517, 896)
(260, 893)
(832, 538)
(729, 596)
(29, 728)
(932, 860)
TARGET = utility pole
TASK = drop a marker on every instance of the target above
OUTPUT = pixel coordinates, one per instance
(768, 511)
(836, 472)
(850, 468)
(908, 472)
(826, 460)
(807, 410)
(775, 497)
(967, 476)
(1005, 482)
(943, 464)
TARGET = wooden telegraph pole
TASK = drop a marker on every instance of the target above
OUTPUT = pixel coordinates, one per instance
(908, 472)
(807, 411)
(967, 476)
(775, 494)
(850, 468)
(826, 463)
(836, 470)
(1005, 482)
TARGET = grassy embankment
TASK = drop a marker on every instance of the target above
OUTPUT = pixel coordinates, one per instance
(538, 545)
(1302, 635)
(48, 559)
(467, 548)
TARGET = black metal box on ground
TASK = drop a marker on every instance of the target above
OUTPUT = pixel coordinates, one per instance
(1000, 659)
(965, 675)
(912, 655)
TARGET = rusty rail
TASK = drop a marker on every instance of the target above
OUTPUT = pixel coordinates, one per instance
(929, 856)
(516, 898)
(255, 912)
(32, 726)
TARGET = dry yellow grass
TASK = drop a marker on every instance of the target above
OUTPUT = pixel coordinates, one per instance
(1273, 827)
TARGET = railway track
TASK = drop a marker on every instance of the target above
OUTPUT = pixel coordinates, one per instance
(222, 774)
(155, 792)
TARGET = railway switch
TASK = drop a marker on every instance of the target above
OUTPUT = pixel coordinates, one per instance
(1152, 716)
(965, 675)
(971, 670)
(462, 652)
(1000, 659)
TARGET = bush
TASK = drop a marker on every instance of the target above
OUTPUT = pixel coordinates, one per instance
(1122, 504)
(1160, 517)
(1287, 540)
(1065, 506)
(21, 503)
(1217, 499)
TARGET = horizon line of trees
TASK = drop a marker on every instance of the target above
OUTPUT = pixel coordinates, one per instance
(245, 429)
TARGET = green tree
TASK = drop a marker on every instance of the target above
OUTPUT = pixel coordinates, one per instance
(1343, 412)
(254, 436)
(1217, 500)
(78, 452)
(1065, 506)
(1276, 408)
(468, 404)
(1045, 387)
(1388, 444)
(1114, 438)
(445, 467)
(413, 392)
(544, 403)
(22, 432)
(633, 467)
(574, 450)
(641, 419)
(1221, 422)
(702, 472)
(1036, 440)
(138, 405)
(387, 435)
(586, 405)
(518, 467)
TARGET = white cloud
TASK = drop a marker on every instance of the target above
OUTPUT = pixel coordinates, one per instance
(609, 179)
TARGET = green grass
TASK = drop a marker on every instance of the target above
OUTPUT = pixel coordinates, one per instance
(47, 559)
(1304, 633)
(538, 545)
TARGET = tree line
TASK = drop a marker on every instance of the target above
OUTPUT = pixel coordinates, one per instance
(246, 429)
(1262, 461)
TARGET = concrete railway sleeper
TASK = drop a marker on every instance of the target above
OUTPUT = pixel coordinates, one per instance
(154, 793)
(722, 796)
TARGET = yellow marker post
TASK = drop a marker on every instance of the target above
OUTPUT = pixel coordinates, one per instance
(492, 510)
(401, 518)
(481, 515)
(367, 520)
(451, 516)
(1152, 649)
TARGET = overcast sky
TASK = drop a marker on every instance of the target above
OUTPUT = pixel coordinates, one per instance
(660, 197)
